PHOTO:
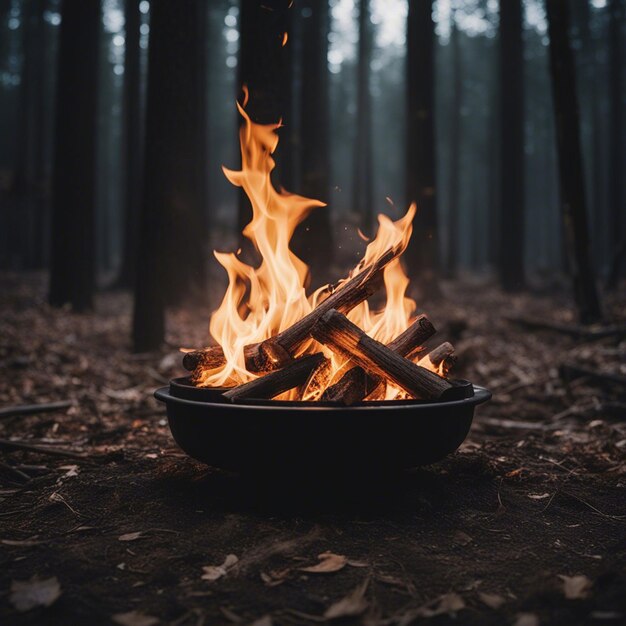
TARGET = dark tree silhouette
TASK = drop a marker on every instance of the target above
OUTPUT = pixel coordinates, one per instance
(454, 213)
(73, 203)
(172, 251)
(422, 255)
(261, 67)
(30, 174)
(362, 181)
(132, 143)
(616, 142)
(313, 133)
(511, 145)
(573, 205)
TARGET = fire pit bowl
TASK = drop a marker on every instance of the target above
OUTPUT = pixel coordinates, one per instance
(264, 436)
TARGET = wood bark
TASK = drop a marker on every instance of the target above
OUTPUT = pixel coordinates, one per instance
(342, 336)
(357, 384)
(571, 175)
(72, 260)
(422, 254)
(277, 382)
(511, 266)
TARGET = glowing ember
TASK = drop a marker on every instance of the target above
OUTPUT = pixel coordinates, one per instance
(262, 301)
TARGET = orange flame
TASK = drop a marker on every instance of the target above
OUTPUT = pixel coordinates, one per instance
(262, 301)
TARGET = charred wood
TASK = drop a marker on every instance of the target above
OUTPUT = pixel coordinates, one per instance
(343, 337)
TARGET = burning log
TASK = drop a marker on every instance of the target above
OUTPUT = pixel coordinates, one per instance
(342, 336)
(263, 356)
(357, 384)
(353, 292)
(275, 383)
(442, 357)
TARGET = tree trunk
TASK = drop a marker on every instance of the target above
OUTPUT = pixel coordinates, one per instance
(616, 143)
(422, 255)
(30, 174)
(172, 230)
(511, 145)
(262, 27)
(362, 182)
(313, 240)
(73, 239)
(570, 161)
(132, 143)
(454, 213)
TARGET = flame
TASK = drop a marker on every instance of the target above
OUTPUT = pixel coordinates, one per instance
(262, 301)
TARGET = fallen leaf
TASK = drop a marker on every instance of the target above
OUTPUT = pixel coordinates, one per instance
(492, 600)
(273, 578)
(349, 606)
(526, 619)
(28, 594)
(214, 572)
(449, 604)
(329, 563)
(130, 536)
(134, 618)
(352, 563)
(575, 587)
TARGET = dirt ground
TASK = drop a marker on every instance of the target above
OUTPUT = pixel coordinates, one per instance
(524, 525)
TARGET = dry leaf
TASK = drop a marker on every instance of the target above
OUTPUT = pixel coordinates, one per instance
(274, 578)
(29, 594)
(526, 619)
(492, 600)
(134, 618)
(130, 536)
(449, 604)
(329, 563)
(351, 605)
(214, 572)
(575, 587)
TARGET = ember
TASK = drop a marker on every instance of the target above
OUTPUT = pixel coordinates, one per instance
(274, 341)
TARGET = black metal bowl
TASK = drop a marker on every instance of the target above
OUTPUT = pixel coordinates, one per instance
(315, 439)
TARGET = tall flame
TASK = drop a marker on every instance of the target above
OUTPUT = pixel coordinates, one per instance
(262, 301)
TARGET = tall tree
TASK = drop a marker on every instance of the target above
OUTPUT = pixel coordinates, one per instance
(30, 172)
(573, 204)
(511, 145)
(454, 213)
(422, 255)
(313, 132)
(261, 67)
(362, 181)
(172, 252)
(132, 141)
(616, 141)
(72, 259)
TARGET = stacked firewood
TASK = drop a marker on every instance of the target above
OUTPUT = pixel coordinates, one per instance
(371, 363)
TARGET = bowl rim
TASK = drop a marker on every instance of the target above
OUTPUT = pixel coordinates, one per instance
(481, 395)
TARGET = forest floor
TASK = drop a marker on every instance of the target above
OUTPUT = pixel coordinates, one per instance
(524, 525)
